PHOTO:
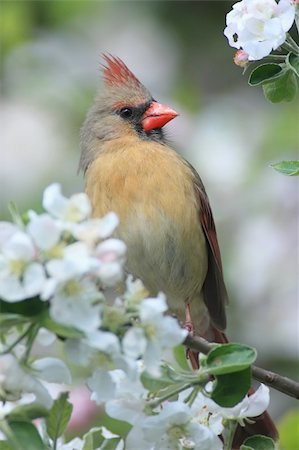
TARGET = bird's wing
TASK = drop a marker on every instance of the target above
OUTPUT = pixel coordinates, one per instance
(215, 294)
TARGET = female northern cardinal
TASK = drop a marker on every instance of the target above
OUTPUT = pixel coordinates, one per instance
(165, 216)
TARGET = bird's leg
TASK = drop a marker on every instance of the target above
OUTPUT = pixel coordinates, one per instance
(192, 356)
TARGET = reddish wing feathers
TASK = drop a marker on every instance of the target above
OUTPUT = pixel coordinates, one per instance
(116, 72)
(215, 295)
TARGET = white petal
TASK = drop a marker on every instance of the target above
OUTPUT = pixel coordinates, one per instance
(78, 352)
(150, 308)
(102, 385)
(45, 337)
(258, 402)
(7, 230)
(11, 289)
(54, 202)
(33, 279)
(78, 208)
(52, 370)
(19, 247)
(45, 231)
(170, 332)
(128, 410)
(134, 342)
(104, 341)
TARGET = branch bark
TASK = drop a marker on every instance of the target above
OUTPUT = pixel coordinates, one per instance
(271, 379)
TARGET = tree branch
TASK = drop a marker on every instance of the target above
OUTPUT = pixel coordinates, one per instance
(271, 379)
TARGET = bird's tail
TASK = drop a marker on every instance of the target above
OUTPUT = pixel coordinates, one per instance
(262, 424)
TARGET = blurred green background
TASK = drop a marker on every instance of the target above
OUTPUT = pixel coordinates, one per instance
(50, 58)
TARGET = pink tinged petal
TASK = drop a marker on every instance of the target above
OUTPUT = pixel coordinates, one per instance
(111, 250)
(44, 231)
(52, 370)
(110, 273)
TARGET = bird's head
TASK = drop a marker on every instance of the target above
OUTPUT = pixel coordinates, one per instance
(123, 107)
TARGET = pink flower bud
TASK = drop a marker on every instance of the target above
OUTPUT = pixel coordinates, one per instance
(241, 58)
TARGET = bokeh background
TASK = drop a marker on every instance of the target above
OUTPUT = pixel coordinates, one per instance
(50, 59)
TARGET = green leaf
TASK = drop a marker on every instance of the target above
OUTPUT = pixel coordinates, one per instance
(179, 353)
(59, 416)
(27, 436)
(293, 63)
(264, 74)
(30, 307)
(60, 330)
(289, 430)
(230, 389)
(4, 445)
(258, 442)
(27, 412)
(290, 168)
(228, 358)
(93, 439)
(282, 89)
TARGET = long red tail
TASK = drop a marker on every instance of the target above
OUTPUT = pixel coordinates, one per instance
(263, 424)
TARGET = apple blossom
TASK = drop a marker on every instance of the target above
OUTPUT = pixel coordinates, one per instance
(251, 406)
(21, 276)
(74, 209)
(259, 26)
(155, 333)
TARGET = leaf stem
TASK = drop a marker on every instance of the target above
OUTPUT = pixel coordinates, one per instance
(230, 432)
(291, 44)
(154, 403)
(18, 340)
(30, 341)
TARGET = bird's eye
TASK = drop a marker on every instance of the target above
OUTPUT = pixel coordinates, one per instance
(126, 113)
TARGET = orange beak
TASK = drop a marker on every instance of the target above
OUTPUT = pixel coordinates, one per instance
(156, 116)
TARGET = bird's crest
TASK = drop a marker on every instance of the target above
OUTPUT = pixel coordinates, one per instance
(115, 72)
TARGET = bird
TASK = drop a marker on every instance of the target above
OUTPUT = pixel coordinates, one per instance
(165, 218)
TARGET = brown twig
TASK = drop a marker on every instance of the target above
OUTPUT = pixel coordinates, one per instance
(271, 379)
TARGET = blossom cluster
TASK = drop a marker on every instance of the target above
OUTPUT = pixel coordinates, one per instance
(67, 263)
(258, 26)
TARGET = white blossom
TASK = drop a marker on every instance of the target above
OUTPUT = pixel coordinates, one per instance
(76, 303)
(155, 334)
(111, 256)
(93, 230)
(21, 276)
(251, 406)
(44, 230)
(14, 381)
(74, 209)
(259, 26)
(174, 425)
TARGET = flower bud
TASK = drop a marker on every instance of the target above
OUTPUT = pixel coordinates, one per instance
(241, 58)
